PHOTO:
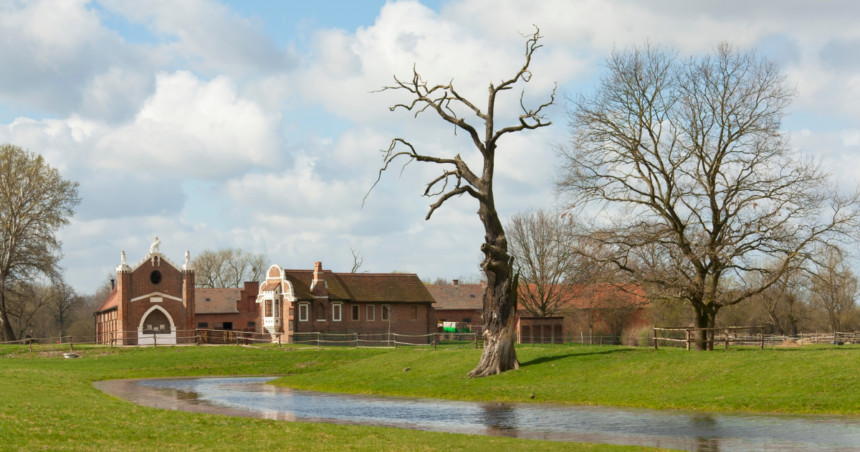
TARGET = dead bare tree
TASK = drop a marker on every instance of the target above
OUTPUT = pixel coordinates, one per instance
(500, 298)
(541, 245)
(697, 181)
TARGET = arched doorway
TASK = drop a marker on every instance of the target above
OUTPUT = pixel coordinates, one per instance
(156, 326)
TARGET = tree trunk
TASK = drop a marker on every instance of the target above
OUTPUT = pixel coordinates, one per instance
(8, 333)
(500, 300)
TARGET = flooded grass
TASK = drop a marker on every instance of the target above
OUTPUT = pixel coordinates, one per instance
(808, 380)
(49, 403)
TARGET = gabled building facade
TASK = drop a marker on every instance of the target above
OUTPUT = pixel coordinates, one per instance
(155, 301)
(295, 302)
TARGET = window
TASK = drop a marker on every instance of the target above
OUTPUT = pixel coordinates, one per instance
(252, 324)
(303, 313)
(355, 310)
(228, 325)
(218, 326)
(320, 313)
(155, 277)
(371, 313)
(413, 313)
(277, 308)
(467, 320)
(335, 312)
(268, 308)
(386, 313)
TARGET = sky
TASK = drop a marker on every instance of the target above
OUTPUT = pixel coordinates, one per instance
(252, 124)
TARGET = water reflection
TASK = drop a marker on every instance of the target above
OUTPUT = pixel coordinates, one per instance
(499, 419)
(700, 432)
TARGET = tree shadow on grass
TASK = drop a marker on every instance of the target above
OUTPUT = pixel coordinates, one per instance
(547, 359)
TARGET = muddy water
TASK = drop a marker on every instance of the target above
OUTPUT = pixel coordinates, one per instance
(693, 431)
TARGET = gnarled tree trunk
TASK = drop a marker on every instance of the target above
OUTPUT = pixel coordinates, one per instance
(500, 301)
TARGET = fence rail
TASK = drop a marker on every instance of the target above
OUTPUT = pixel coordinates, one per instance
(658, 336)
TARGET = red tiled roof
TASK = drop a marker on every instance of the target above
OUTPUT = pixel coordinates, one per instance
(110, 302)
(469, 296)
(362, 287)
(459, 297)
(216, 301)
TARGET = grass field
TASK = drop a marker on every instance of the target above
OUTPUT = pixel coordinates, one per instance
(819, 379)
(49, 403)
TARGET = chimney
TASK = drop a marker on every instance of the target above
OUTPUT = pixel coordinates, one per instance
(318, 285)
(317, 271)
(112, 283)
(455, 282)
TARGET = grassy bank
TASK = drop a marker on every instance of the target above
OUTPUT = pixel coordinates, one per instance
(48, 403)
(820, 379)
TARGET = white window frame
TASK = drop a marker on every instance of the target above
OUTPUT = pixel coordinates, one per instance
(323, 311)
(336, 312)
(370, 313)
(385, 308)
(303, 312)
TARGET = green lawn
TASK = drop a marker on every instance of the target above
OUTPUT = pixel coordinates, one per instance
(821, 379)
(49, 403)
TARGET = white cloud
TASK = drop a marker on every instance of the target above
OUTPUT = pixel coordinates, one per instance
(287, 145)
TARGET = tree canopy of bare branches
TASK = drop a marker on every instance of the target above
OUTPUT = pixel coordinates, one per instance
(695, 180)
(834, 289)
(228, 267)
(35, 202)
(458, 178)
(541, 244)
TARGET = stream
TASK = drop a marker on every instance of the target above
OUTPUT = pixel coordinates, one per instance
(684, 430)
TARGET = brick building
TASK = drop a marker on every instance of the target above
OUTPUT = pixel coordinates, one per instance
(156, 300)
(585, 306)
(153, 300)
(459, 303)
(321, 301)
(228, 309)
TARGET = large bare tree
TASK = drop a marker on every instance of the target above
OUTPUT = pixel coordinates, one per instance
(500, 297)
(695, 178)
(35, 202)
(544, 257)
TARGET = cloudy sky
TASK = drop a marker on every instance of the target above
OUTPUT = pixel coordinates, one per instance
(251, 124)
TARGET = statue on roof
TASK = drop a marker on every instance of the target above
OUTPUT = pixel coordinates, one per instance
(122, 259)
(154, 247)
(187, 258)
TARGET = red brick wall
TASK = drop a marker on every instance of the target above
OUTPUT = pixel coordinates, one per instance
(402, 322)
(248, 311)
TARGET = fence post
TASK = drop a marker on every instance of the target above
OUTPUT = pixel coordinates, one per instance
(318, 339)
(71, 343)
(154, 340)
(395, 340)
(551, 337)
(476, 341)
(762, 338)
(355, 338)
(655, 338)
(434, 341)
(727, 338)
(687, 338)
